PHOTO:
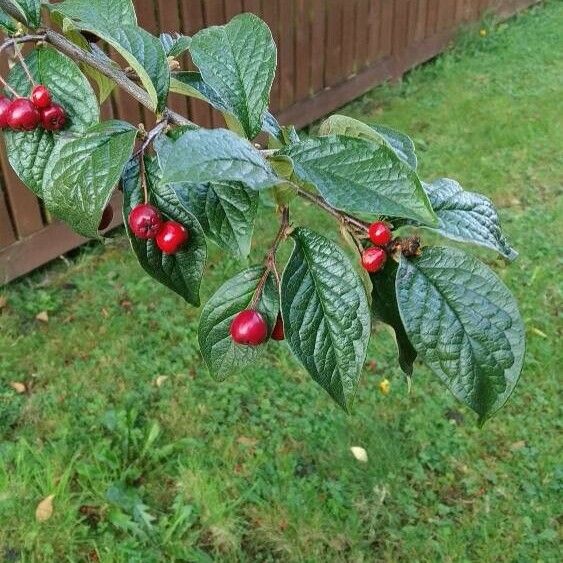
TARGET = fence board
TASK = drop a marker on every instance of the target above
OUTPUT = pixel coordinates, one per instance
(191, 19)
(386, 28)
(400, 26)
(169, 22)
(361, 35)
(270, 16)
(7, 235)
(330, 51)
(318, 33)
(286, 52)
(348, 43)
(303, 51)
(333, 44)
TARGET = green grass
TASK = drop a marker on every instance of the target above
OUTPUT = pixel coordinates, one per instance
(258, 468)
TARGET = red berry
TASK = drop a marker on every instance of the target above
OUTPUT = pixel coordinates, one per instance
(171, 237)
(107, 218)
(53, 118)
(380, 233)
(5, 103)
(249, 328)
(41, 97)
(145, 221)
(278, 332)
(23, 115)
(373, 259)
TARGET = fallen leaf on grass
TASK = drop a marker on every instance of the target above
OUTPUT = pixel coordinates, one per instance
(18, 387)
(385, 387)
(3, 302)
(42, 317)
(359, 453)
(44, 509)
(160, 380)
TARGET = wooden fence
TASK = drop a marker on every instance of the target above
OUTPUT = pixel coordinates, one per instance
(330, 51)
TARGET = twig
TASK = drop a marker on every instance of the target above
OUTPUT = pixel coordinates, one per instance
(24, 64)
(13, 42)
(116, 74)
(342, 216)
(143, 176)
(270, 260)
(151, 136)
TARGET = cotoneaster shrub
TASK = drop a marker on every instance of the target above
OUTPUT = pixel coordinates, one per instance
(185, 187)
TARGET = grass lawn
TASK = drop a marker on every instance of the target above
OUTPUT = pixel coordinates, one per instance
(149, 459)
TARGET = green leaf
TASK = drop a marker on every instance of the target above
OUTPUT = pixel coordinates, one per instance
(105, 85)
(8, 24)
(105, 14)
(398, 142)
(115, 23)
(29, 152)
(204, 156)
(360, 176)
(238, 61)
(82, 173)
(386, 309)
(145, 54)
(326, 314)
(464, 324)
(175, 44)
(226, 212)
(181, 272)
(223, 356)
(467, 217)
(190, 83)
(32, 11)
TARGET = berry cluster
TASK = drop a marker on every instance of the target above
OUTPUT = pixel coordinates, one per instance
(250, 329)
(27, 114)
(146, 223)
(374, 257)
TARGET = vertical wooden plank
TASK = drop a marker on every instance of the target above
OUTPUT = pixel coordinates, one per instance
(446, 12)
(7, 234)
(420, 26)
(333, 45)
(286, 51)
(432, 17)
(386, 28)
(232, 9)
(400, 27)
(191, 19)
(270, 16)
(252, 6)
(411, 26)
(169, 20)
(374, 29)
(362, 35)
(348, 37)
(459, 10)
(147, 15)
(302, 50)
(318, 32)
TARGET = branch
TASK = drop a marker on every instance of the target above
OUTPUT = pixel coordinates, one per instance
(342, 216)
(125, 83)
(270, 260)
(77, 54)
